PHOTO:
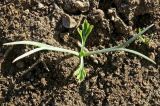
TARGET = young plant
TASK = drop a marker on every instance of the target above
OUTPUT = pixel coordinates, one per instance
(144, 39)
(81, 73)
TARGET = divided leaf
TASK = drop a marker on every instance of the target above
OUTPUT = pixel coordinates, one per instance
(89, 30)
(85, 32)
(80, 73)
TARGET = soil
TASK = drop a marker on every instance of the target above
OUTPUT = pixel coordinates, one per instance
(46, 78)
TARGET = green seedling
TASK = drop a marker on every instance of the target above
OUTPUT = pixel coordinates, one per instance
(144, 39)
(81, 72)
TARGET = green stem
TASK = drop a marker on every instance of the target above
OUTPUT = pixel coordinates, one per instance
(82, 61)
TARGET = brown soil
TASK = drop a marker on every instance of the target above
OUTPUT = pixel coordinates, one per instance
(46, 78)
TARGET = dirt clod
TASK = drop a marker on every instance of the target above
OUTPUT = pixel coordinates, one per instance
(82, 6)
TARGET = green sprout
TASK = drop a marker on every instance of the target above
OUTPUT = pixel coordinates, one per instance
(144, 39)
(81, 73)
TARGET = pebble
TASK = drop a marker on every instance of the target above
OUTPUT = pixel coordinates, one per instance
(31, 87)
(82, 6)
(68, 22)
(152, 56)
(95, 61)
(94, 79)
(40, 5)
(65, 37)
(99, 13)
(26, 11)
(100, 85)
(102, 74)
(152, 45)
(43, 81)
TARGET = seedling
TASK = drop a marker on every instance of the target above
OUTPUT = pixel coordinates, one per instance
(144, 39)
(81, 73)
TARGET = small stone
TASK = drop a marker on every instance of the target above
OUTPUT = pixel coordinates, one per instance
(144, 83)
(100, 85)
(71, 85)
(83, 7)
(26, 11)
(68, 22)
(99, 13)
(43, 81)
(64, 87)
(40, 5)
(152, 45)
(94, 79)
(122, 53)
(65, 37)
(34, 95)
(31, 87)
(102, 74)
(152, 56)
(95, 61)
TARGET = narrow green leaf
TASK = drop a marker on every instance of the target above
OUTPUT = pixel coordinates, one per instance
(41, 45)
(120, 49)
(33, 43)
(27, 54)
(135, 37)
